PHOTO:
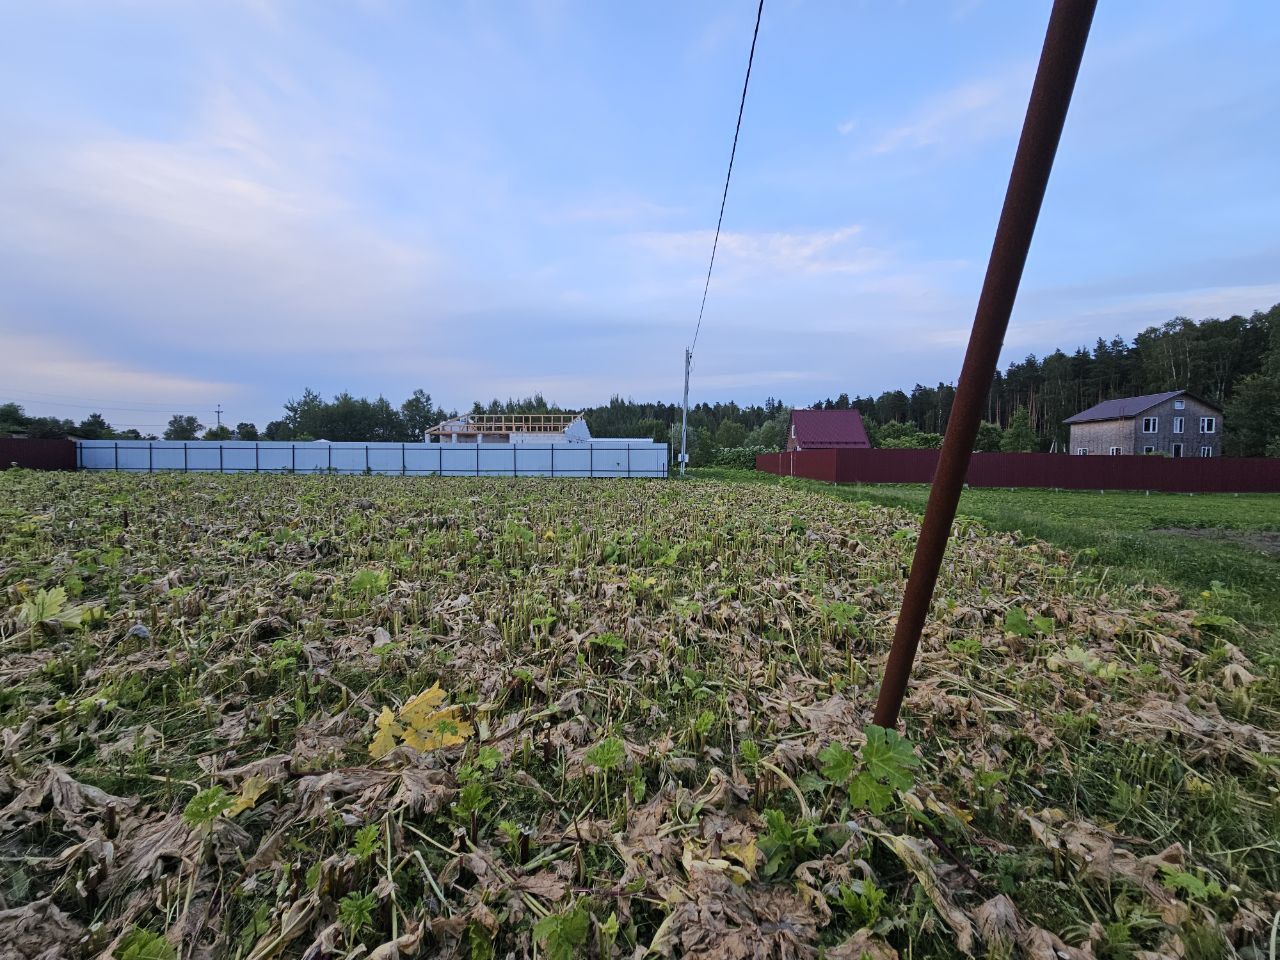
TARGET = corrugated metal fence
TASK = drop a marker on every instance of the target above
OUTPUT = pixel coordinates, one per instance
(1061, 471)
(600, 458)
(37, 454)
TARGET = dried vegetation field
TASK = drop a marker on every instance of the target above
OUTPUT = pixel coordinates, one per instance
(284, 716)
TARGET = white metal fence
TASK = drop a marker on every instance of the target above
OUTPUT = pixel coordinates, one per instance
(597, 458)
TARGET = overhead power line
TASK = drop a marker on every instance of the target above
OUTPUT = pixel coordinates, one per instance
(66, 400)
(728, 175)
(96, 407)
(715, 243)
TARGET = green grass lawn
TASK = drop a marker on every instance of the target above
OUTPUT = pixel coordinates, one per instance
(1189, 542)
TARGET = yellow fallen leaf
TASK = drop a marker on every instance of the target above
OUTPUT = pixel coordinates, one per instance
(384, 741)
(439, 729)
(252, 788)
(417, 709)
(746, 853)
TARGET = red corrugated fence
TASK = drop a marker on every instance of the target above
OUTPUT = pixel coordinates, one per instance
(38, 454)
(1185, 475)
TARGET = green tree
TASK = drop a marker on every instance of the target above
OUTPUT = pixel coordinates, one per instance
(731, 434)
(989, 438)
(220, 432)
(94, 427)
(1018, 436)
(246, 431)
(49, 428)
(277, 430)
(1252, 418)
(703, 450)
(183, 427)
(12, 419)
(419, 414)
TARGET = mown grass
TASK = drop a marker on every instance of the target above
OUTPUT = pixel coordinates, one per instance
(1125, 535)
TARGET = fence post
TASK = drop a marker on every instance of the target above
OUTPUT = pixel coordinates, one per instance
(402, 459)
(151, 458)
(553, 459)
(256, 467)
(116, 446)
(440, 459)
(628, 461)
(366, 458)
(220, 470)
(591, 459)
(515, 460)
(293, 458)
(329, 450)
(477, 456)
(185, 467)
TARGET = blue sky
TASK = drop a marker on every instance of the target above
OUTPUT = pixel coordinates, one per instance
(227, 202)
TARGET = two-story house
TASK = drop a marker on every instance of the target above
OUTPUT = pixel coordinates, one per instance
(1173, 424)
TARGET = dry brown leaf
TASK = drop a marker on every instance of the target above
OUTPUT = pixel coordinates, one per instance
(545, 885)
(863, 945)
(1002, 928)
(56, 794)
(38, 931)
(147, 851)
(913, 856)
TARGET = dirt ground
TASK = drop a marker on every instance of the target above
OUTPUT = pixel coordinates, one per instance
(1265, 541)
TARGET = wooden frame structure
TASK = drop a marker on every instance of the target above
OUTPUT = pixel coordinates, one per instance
(475, 425)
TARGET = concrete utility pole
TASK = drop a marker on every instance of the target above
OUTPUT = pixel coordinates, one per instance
(218, 413)
(684, 415)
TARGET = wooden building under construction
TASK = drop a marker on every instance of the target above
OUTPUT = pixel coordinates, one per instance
(539, 428)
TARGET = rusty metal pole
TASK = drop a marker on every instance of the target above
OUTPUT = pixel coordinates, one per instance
(1064, 44)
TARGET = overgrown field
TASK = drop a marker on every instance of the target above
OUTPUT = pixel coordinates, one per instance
(284, 716)
(1186, 541)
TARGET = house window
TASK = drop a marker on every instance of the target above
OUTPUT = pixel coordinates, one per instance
(1206, 451)
(1177, 450)
(1082, 451)
(1115, 451)
(1148, 449)
(1150, 424)
(1208, 424)
(1179, 404)
(1178, 424)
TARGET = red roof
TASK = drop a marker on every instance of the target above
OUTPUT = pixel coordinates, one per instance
(819, 429)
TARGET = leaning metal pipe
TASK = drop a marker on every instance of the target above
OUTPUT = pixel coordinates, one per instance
(1041, 130)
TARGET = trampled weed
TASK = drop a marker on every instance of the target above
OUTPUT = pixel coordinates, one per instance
(488, 717)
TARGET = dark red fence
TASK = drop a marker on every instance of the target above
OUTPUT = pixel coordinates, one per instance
(38, 454)
(1185, 475)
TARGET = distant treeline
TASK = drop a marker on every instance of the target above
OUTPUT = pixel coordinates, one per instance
(1234, 363)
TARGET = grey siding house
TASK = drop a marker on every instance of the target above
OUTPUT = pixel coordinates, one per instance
(1174, 424)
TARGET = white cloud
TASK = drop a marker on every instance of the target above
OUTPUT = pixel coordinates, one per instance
(1196, 303)
(36, 369)
(231, 230)
(967, 114)
(818, 251)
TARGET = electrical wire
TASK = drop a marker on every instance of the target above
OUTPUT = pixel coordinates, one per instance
(65, 400)
(725, 196)
(99, 408)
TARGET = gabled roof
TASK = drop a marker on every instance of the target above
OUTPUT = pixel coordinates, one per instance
(819, 429)
(1127, 407)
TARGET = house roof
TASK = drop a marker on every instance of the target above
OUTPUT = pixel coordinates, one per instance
(1126, 407)
(816, 429)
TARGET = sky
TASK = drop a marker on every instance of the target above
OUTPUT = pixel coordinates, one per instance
(224, 203)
